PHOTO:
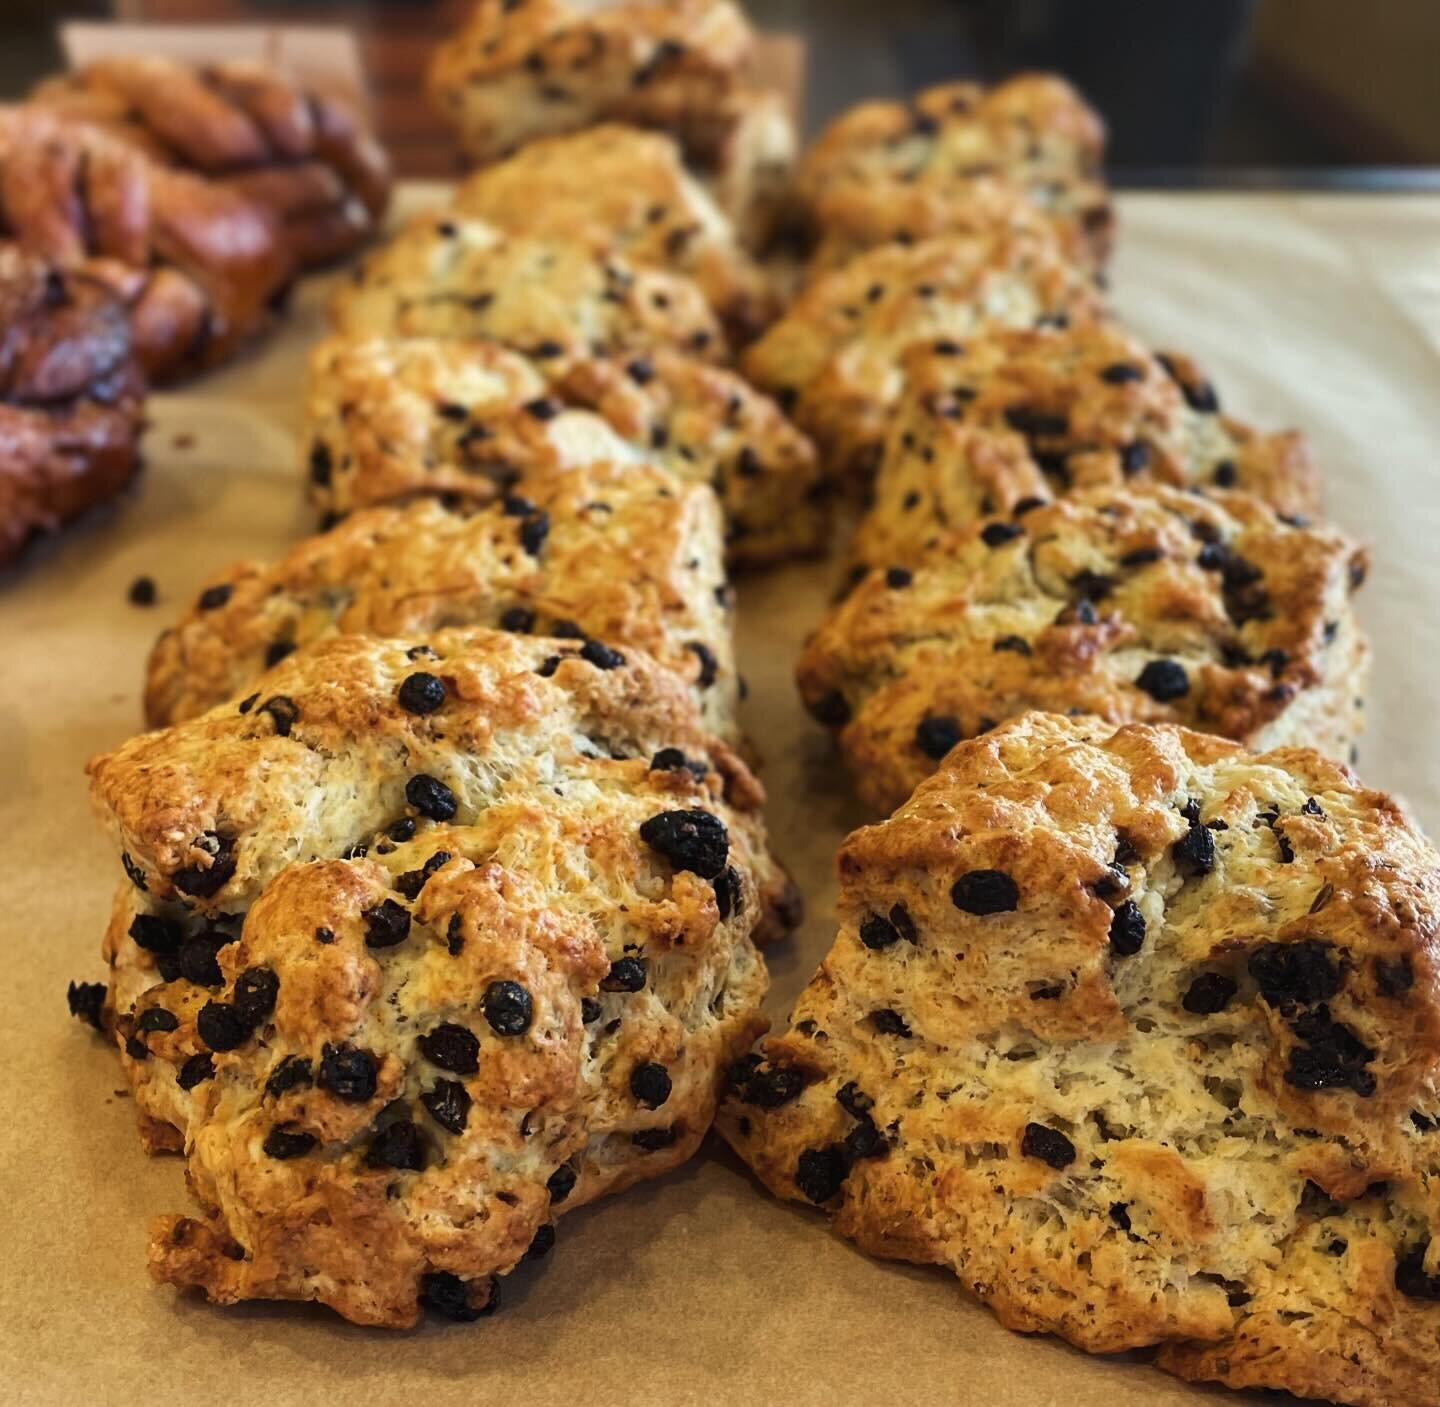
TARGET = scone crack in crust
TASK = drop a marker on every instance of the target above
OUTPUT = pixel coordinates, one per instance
(1018, 416)
(1137, 1032)
(836, 356)
(960, 158)
(388, 419)
(1148, 605)
(555, 301)
(620, 190)
(516, 72)
(614, 556)
(418, 942)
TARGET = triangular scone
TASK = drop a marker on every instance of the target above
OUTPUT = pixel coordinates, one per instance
(1136, 1032)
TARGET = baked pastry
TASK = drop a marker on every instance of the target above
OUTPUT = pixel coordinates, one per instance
(744, 150)
(199, 265)
(556, 301)
(387, 420)
(71, 398)
(619, 190)
(303, 153)
(835, 357)
(522, 69)
(1019, 416)
(1136, 1032)
(959, 158)
(1150, 605)
(406, 982)
(611, 557)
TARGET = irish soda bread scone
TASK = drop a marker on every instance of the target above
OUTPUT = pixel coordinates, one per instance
(836, 355)
(522, 69)
(1021, 415)
(71, 397)
(425, 944)
(609, 557)
(959, 158)
(554, 300)
(1137, 1033)
(389, 419)
(1138, 605)
(619, 190)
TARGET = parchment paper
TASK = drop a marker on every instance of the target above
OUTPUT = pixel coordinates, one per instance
(1321, 311)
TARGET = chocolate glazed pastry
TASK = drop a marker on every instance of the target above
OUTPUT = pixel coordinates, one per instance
(198, 264)
(70, 398)
(304, 154)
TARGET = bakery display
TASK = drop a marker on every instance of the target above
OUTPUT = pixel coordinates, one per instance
(199, 264)
(554, 300)
(1018, 416)
(71, 398)
(836, 355)
(960, 159)
(620, 190)
(303, 153)
(387, 420)
(610, 557)
(1133, 1030)
(495, 975)
(1138, 605)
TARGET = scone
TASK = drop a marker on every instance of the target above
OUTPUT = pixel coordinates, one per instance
(1019, 416)
(611, 557)
(1140, 605)
(744, 150)
(554, 300)
(71, 398)
(303, 153)
(198, 264)
(835, 358)
(619, 190)
(387, 420)
(407, 982)
(963, 159)
(1135, 1032)
(522, 69)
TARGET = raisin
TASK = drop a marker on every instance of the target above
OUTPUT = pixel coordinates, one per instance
(1208, 993)
(386, 924)
(709, 665)
(671, 759)
(221, 1027)
(821, 1172)
(293, 1072)
(689, 840)
(199, 958)
(448, 1103)
(998, 534)
(213, 597)
(157, 1018)
(283, 713)
(1164, 680)
(1127, 930)
(283, 1143)
(1049, 1145)
(1017, 643)
(542, 1243)
(898, 577)
(413, 881)
(86, 1000)
(650, 1084)
(421, 693)
(653, 1140)
(533, 532)
(451, 1047)
(397, 1145)
(1332, 1056)
(508, 1008)
(601, 656)
(831, 709)
(985, 892)
(133, 871)
(255, 991)
(449, 1296)
(201, 882)
(1302, 972)
(854, 1101)
(431, 797)
(626, 974)
(195, 1070)
(766, 1088)
(935, 735)
(877, 932)
(1194, 852)
(347, 1072)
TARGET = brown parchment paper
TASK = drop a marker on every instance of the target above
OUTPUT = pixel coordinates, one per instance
(1321, 311)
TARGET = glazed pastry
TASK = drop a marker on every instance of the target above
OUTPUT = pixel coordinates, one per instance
(71, 398)
(387, 420)
(553, 300)
(1150, 605)
(1019, 416)
(960, 159)
(198, 264)
(611, 557)
(424, 945)
(303, 153)
(1135, 1032)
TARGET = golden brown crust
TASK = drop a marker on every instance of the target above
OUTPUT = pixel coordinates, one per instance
(1206, 1122)
(304, 154)
(388, 420)
(554, 300)
(1019, 416)
(234, 831)
(836, 356)
(959, 158)
(518, 71)
(71, 398)
(198, 264)
(620, 554)
(1148, 605)
(619, 190)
